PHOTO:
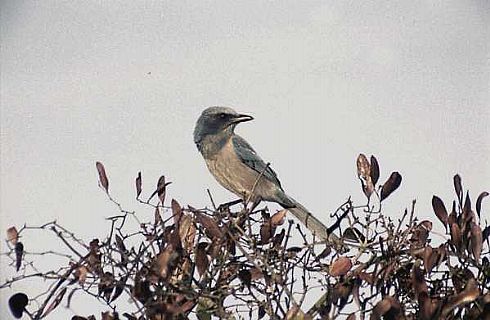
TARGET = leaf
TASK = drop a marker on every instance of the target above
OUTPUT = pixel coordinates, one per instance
(351, 316)
(19, 253)
(202, 260)
(17, 304)
(277, 218)
(458, 188)
(104, 182)
(187, 232)
(165, 259)
(440, 210)
(478, 202)
(120, 244)
(266, 232)
(138, 185)
(364, 174)
(176, 211)
(391, 185)
(476, 241)
(119, 289)
(210, 226)
(374, 170)
(381, 308)
(56, 302)
(12, 235)
(467, 204)
(456, 235)
(162, 188)
(81, 274)
(340, 267)
(468, 295)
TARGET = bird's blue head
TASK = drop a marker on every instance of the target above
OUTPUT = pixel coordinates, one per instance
(216, 121)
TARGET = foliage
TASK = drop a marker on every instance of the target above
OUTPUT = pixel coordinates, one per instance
(231, 263)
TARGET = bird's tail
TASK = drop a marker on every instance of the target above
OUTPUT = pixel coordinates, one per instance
(311, 222)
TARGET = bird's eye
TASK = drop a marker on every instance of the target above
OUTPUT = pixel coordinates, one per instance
(222, 115)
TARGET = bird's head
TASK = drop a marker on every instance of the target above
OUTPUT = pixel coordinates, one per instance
(216, 120)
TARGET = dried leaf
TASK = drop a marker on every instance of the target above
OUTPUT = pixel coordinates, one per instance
(478, 202)
(106, 285)
(456, 235)
(418, 281)
(162, 188)
(187, 232)
(210, 226)
(17, 304)
(165, 260)
(120, 244)
(138, 185)
(266, 232)
(202, 260)
(340, 267)
(351, 316)
(12, 235)
(176, 211)
(81, 274)
(104, 182)
(158, 217)
(468, 295)
(364, 174)
(56, 302)
(374, 170)
(119, 289)
(476, 241)
(457, 187)
(381, 308)
(467, 204)
(440, 210)
(278, 238)
(277, 218)
(391, 185)
(19, 253)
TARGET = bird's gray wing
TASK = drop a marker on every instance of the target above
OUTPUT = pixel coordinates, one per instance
(248, 156)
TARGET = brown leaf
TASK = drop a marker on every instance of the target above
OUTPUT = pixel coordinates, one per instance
(476, 241)
(418, 281)
(165, 260)
(457, 187)
(202, 260)
(456, 235)
(467, 204)
(364, 174)
(158, 217)
(119, 289)
(176, 211)
(19, 253)
(381, 308)
(210, 226)
(12, 235)
(468, 295)
(277, 218)
(56, 302)
(278, 238)
(138, 185)
(161, 188)
(478, 202)
(391, 185)
(374, 170)
(104, 182)
(351, 316)
(266, 232)
(187, 232)
(81, 274)
(340, 267)
(430, 258)
(440, 210)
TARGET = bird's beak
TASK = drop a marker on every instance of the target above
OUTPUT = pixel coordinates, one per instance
(242, 118)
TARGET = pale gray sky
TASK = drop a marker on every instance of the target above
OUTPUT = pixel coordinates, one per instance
(123, 83)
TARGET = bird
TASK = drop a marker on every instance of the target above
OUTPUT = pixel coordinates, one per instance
(238, 168)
